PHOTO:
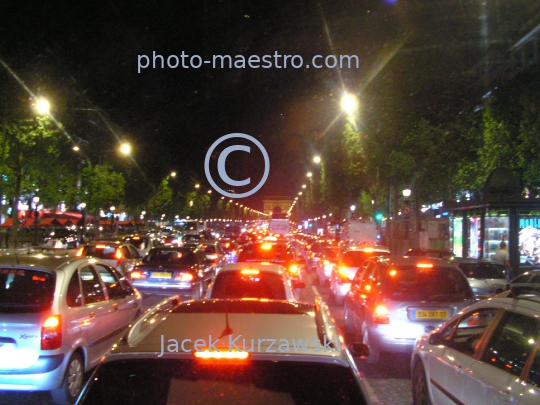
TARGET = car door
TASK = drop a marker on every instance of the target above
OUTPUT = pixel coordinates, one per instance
(450, 364)
(206, 270)
(123, 305)
(101, 319)
(355, 299)
(497, 377)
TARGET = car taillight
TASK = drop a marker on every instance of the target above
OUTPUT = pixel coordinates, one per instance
(224, 355)
(80, 252)
(326, 262)
(183, 277)
(343, 273)
(138, 275)
(51, 333)
(381, 314)
(118, 255)
(293, 269)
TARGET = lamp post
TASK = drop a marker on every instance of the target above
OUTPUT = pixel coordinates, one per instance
(113, 220)
(36, 216)
(82, 207)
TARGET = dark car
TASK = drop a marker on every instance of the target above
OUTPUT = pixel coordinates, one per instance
(435, 253)
(62, 238)
(277, 253)
(173, 270)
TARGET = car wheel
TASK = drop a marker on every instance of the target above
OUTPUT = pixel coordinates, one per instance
(374, 353)
(73, 381)
(420, 391)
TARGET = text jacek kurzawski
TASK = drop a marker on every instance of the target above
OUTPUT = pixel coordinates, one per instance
(239, 344)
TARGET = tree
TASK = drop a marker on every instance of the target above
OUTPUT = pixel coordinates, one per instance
(26, 144)
(161, 201)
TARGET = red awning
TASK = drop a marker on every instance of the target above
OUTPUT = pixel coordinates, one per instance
(8, 223)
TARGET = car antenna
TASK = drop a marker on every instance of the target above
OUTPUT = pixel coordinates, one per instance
(228, 330)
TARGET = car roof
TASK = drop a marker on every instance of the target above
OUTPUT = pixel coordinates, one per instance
(263, 266)
(40, 260)
(227, 319)
(459, 260)
(414, 260)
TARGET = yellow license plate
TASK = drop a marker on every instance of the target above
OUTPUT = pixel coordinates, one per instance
(422, 314)
(162, 275)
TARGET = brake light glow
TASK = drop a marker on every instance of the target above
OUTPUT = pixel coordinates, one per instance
(326, 262)
(294, 269)
(184, 277)
(369, 249)
(138, 275)
(392, 272)
(100, 246)
(118, 254)
(249, 272)
(80, 252)
(221, 355)
(227, 245)
(266, 246)
(51, 333)
(381, 315)
(424, 265)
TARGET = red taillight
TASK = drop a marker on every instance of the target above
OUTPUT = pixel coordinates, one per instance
(118, 255)
(51, 333)
(344, 274)
(80, 252)
(293, 269)
(381, 314)
(183, 277)
(138, 275)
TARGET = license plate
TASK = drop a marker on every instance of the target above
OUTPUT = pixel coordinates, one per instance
(423, 314)
(162, 275)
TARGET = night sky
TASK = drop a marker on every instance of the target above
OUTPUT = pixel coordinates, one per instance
(84, 56)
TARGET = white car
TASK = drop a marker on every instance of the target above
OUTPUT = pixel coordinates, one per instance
(486, 354)
(230, 352)
(58, 317)
(252, 280)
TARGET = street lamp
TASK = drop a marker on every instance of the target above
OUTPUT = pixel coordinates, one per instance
(113, 223)
(82, 207)
(407, 192)
(36, 215)
(349, 103)
(317, 159)
(125, 148)
(42, 106)
(309, 174)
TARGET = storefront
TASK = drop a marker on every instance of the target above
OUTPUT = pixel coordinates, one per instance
(477, 227)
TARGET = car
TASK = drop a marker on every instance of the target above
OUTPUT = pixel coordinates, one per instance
(58, 317)
(214, 253)
(277, 253)
(528, 281)
(485, 354)
(170, 270)
(231, 248)
(438, 253)
(143, 243)
(484, 276)
(348, 264)
(62, 238)
(394, 300)
(324, 267)
(121, 255)
(256, 280)
(229, 352)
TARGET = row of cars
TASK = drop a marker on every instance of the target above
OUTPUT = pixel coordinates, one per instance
(468, 345)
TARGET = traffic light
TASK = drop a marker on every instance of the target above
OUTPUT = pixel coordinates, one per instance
(378, 216)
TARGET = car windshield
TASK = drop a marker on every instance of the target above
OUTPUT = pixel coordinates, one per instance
(259, 284)
(483, 270)
(356, 258)
(25, 290)
(158, 382)
(437, 284)
(180, 256)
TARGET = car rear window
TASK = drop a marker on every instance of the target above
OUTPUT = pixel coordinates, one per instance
(137, 242)
(24, 290)
(356, 258)
(436, 284)
(107, 252)
(166, 381)
(483, 270)
(181, 256)
(234, 284)
(265, 252)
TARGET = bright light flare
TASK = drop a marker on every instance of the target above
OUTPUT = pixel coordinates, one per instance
(349, 103)
(42, 106)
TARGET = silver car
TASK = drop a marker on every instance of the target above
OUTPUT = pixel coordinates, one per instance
(484, 276)
(58, 317)
(395, 300)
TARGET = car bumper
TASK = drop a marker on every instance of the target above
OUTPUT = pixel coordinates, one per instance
(45, 375)
(165, 289)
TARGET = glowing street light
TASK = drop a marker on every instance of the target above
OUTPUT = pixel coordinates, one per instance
(42, 106)
(317, 159)
(407, 192)
(173, 174)
(349, 103)
(309, 174)
(125, 148)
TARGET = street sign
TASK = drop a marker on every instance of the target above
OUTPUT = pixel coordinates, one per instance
(406, 211)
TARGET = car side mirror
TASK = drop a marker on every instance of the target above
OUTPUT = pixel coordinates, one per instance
(359, 350)
(436, 338)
